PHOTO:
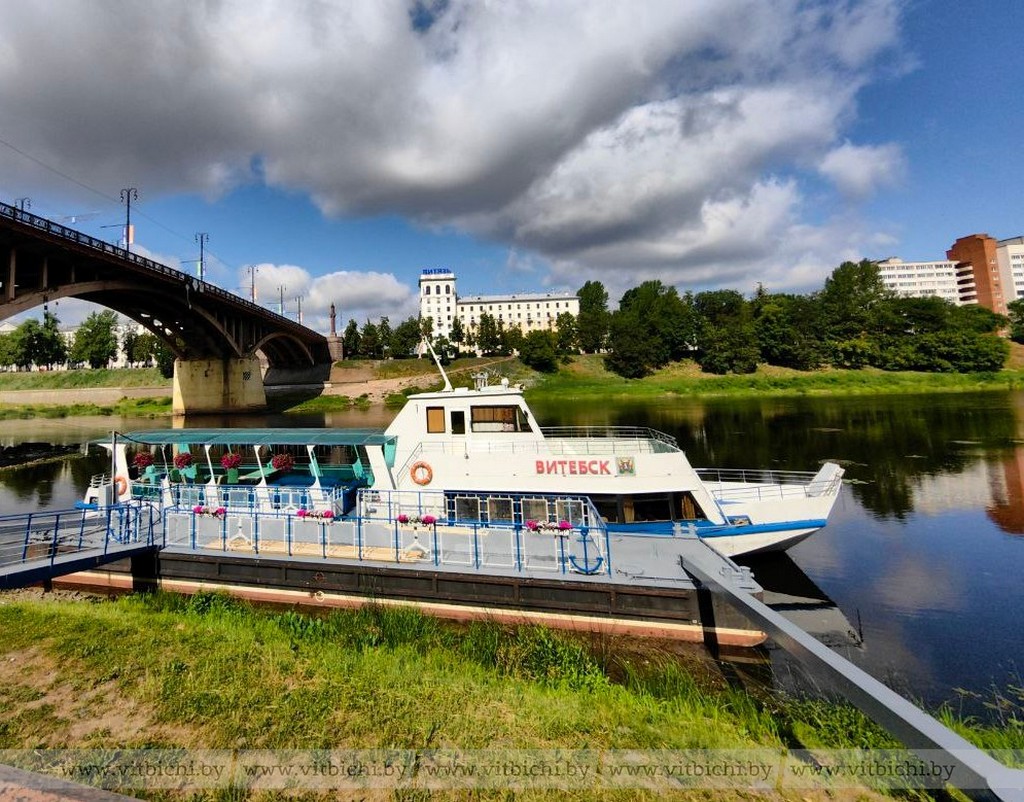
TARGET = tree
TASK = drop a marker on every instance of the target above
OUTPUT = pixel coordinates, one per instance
(145, 349)
(370, 342)
(728, 338)
(405, 338)
(851, 299)
(593, 320)
(488, 336)
(458, 332)
(385, 334)
(164, 358)
(1016, 310)
(8, 350)
(538, 351)
(96, 340)
(568, 336)
(350, 339)
(128, 342)
(786, 329)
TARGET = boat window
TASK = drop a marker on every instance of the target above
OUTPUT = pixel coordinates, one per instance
(499, 510)
(652, 508)
(467, 508)
(569, 510)
(499, 419)
(435, 420)
(535, 509)
(607, 507)
(458, 421)
(689, 509)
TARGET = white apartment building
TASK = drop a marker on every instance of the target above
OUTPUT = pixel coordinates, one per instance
(1010, 257)
(926, 279)
(530, 312)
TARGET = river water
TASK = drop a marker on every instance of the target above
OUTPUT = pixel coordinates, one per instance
(923, 554)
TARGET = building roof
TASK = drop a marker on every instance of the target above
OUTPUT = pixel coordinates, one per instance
(494, 299)
(258, 437)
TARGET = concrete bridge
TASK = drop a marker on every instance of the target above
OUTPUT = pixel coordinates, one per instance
(214, 334)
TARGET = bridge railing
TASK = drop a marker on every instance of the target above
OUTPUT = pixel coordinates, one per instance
(46, 536)
(98, 245)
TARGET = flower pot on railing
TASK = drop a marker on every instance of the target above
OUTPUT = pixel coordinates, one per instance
(230, 463)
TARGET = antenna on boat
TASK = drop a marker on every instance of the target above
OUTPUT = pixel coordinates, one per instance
(437, 361)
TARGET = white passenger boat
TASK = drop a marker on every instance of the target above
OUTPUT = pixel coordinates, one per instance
(476, 456)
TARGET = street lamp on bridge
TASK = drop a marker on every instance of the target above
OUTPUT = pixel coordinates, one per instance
(126, 197)
(202, 237)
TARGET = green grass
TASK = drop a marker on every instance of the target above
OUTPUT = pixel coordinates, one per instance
(99, 377)
(126, 407)
(586, 377)
(331, 403)
(209, 671)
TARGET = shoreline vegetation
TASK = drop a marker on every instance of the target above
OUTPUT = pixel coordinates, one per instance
(581, 377)
(207, 671)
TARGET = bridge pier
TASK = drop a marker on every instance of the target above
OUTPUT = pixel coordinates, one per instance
(218, 385)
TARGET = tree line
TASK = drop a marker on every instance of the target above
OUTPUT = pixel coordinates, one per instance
(854, 321)
(95, 345)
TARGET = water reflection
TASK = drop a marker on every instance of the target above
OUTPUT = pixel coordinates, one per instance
(886, 444)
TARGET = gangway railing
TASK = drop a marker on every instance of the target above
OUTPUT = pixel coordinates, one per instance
(40, 545)
(976, 773)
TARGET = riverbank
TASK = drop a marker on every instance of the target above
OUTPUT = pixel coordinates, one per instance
(363, 384)
(164, 671)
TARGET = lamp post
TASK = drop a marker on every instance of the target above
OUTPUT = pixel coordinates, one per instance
(202, 238)
(126, 197)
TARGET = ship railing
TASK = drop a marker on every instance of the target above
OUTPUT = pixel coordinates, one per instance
(476, 533)
(98, 480)
(251, 498)
(52, 534)
(745, 484)
(632, 433)
(568, 446)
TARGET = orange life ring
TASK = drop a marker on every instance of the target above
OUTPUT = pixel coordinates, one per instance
(421, 473)
(122, 486)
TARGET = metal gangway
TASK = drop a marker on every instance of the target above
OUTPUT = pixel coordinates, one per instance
(975, 772)
(41, 546)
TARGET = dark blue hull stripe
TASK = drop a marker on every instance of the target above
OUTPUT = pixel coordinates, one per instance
(664, 528)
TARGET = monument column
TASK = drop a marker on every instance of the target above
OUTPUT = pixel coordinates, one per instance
(335, 345)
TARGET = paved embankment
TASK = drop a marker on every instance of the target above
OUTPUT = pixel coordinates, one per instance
(81, 395)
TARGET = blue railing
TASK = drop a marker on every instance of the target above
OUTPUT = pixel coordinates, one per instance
(410, 527)
(46, 536)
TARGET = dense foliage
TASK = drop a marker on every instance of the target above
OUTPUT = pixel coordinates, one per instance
(853, 322)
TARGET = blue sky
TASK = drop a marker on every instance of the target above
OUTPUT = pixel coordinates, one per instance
(343, 147)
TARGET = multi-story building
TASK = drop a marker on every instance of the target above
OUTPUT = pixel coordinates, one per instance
(978, 251)
(1010, 256)
(530, 312)
(977, 270)
(926, 279)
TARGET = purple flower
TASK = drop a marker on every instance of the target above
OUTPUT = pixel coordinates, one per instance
(327, 514)
(532, 525)
(563, 525)
(301, 513)
(197, 509)
(428, 519)
(403, 518)
(220, 511)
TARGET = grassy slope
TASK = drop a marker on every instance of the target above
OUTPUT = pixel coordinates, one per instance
(101, 377)
(587, 376)
(166, 670)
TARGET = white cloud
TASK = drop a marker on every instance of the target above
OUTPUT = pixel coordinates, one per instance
(577, 130)
(859, 170)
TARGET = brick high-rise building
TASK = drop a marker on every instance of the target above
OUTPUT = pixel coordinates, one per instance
(994, 290)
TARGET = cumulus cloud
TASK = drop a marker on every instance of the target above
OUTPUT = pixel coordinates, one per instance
(859, 170)
(616, 137)
(355, 295)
